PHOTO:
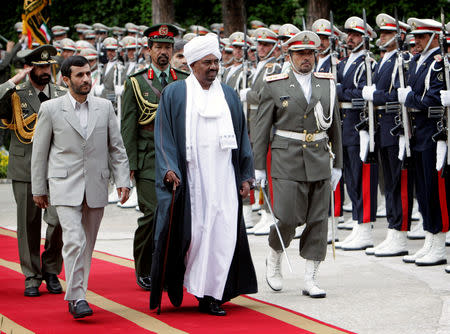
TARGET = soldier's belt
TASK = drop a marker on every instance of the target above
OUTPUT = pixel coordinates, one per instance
(345, 105)
(414, 110)
(308, 137)
(253, 107)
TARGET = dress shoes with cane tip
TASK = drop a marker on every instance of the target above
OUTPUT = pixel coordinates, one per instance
(32, 291)
(80, 309)
(211, 306)
(145, 282)
(53, 285)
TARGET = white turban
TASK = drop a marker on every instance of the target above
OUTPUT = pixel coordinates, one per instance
(201, 46)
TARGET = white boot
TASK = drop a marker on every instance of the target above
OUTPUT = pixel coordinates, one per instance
(437, 253)
(421, 252)
(362, 240)
(113, 197)
(417, 232)
(447, 239)
(330, 231)
(395, 247)
(347, 225)
(256, 206)
(248, 217)
(311, 289)
(381, 210)
(349, 237)
(273, 270)
(132, 200)
(415, 215)
(299, 231)
(447, 269)
(371, 250)
(348, 207)
(263, 226)
(340, 219)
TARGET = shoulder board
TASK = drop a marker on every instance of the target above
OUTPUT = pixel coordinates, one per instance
(323, 75)
(138, 72)
(62, 88)
(277, 77)
(20, 86)
(269, 65)
(438, 58)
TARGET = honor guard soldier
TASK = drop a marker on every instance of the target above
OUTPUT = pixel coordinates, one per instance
(59, 32)
(106, 89)
(285, 32)
(90, 36)
(81, 28)
(425, 81)
(131, 47)
(302, 108)
(233, 73)
(398, 191)
(19, 106)
(68, 48)
(322, 28)
(91, 55)
(131, 29)
(139, 103)
(227, 54)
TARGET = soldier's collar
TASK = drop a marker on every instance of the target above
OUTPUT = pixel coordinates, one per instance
(158, 71)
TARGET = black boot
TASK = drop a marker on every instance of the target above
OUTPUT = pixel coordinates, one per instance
(211, 306)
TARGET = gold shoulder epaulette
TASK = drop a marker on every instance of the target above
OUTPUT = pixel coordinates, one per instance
(324, 75)
(20, 86)
(277, 77)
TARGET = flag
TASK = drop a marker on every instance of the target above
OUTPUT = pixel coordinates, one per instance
(35, 19)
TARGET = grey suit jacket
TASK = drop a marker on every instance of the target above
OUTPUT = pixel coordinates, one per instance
(76, 167)
(293, 159)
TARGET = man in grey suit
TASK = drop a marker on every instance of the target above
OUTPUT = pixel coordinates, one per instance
(76, 136)
(302, 107)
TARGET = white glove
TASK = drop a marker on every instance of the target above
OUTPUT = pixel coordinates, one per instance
(445, 98)
(336, 174)
(118, 89)
(401, 147)
(98, 90)
(243, 94)
(441, 150)
(260, 177)
(367, 92)
(363, 144)
(403, 93)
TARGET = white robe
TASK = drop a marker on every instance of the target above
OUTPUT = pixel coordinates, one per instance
(214, 209)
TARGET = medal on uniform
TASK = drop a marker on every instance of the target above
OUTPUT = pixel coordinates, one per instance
(284, 101)
(285, 104)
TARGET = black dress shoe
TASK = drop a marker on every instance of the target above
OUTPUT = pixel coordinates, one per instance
(211, 306)
(145, 282)
(80, 309)
(32, 291)
(53, 285)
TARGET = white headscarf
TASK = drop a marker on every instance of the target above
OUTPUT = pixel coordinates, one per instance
(201, 46)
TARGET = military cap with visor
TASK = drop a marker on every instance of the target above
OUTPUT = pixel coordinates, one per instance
(304, 40)
(161, 33)
(39, 56)
(424, 26)
(356, 24)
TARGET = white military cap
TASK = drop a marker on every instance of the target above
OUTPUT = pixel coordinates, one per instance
(237, 39)
(265, 35)
(187, 37)
(132, 28)
(57, 45)
(287, 31)
(129, 42)
(355, 23)
(144, 41)
(81, 27)
(304, 40)
(59, 30)
(198, 30)
(82, 44)
(323, 27)
(275, 28)
(424, 26)
(227, 46)
(100, 27)
(387, 23)
(142, 28)
(216, 27)
(117, 31)
(67, 44)
(110, 43)
(89, 53)
(18, 27)
(89, 34)
(410, 40)
(255, 24)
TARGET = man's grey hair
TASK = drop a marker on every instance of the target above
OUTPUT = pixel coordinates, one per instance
(179, 45)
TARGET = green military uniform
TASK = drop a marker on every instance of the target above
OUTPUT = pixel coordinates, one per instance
(140, 99)
(19, 171)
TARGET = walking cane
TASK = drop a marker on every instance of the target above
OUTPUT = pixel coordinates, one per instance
(274, 222)
(167, 248)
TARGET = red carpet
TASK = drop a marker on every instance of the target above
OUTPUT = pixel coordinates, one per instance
(119, 305)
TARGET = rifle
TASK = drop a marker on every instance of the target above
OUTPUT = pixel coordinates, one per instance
(221, 68)
(333, 51)
(304, 23)
(443, 46)
(370, 114)
(245, 68)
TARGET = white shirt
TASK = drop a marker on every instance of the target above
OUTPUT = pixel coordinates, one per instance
(81, 110)
(386, 56)
(110, 65)
(424, 56)
(321, 61)
(351, 59)
(305, 83)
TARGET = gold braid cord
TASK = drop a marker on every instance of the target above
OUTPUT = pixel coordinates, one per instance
(148, 110)
(18, 124)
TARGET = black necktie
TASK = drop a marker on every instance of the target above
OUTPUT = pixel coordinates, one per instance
(42, 97)
(162, 77)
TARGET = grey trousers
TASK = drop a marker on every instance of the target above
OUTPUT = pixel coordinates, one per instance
(29, 236)
(80, 226)
(297, 203)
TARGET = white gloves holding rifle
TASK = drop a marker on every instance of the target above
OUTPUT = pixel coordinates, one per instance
(261, 177)
(243, 94)
(403, 94)
(445, 98)
(367, 92)
(363, 144)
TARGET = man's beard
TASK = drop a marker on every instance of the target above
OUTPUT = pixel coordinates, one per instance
(77, 89)
(40, 80)
(162, 60)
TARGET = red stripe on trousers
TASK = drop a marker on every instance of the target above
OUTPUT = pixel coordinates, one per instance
(337, 200)
(366, 192)
(269, 174)
(443, 202)
(404, 198)
(252, 197)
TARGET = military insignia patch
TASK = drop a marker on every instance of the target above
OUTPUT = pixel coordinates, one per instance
(163, 30)
(306, 40)
(277, 77)
(285, 103)
(23, 105)
(44, 55)
(353, 24)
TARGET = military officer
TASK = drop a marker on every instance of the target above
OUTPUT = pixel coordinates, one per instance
(351, 77)
(19, 105)
(139, 102)
(302, 108)
(131, 47)
(285, 32)
(322, 28)
(106, 88)
(425, 81)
